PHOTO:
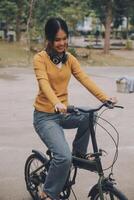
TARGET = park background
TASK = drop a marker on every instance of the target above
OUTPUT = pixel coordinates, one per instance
(101, 37)
(96, 28)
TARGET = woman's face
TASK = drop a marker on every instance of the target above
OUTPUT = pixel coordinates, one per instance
(61, 41)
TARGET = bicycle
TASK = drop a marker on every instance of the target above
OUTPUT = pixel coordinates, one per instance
(104, 189)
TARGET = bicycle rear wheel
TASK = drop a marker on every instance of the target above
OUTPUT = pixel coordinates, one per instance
(109, 194)
(35, 175)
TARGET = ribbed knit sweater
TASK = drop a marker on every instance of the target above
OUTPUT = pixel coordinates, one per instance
(53, 81)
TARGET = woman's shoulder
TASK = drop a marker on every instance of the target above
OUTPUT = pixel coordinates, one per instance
(71, 57)
(40, 55)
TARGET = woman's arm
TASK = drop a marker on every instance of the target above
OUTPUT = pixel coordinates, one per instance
(43, 81)
(86, 81)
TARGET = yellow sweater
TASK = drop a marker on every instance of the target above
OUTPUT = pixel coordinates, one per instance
(53, 81)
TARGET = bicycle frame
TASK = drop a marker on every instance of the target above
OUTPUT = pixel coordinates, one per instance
(93, 165)
(103, 185)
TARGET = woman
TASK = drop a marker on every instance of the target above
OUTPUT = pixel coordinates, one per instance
(53, 68)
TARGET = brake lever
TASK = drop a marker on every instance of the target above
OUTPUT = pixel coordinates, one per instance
(103, 152)
(119, 107)
(111, 105)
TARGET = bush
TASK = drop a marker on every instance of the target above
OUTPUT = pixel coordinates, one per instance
(72, 51)
(129, 44)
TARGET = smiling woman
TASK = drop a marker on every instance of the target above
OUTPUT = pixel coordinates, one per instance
(53, 68)
(60, 43)
(56, 32)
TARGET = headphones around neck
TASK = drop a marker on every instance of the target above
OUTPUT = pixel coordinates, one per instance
(56, 58)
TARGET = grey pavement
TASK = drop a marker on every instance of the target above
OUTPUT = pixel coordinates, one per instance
(18, 88)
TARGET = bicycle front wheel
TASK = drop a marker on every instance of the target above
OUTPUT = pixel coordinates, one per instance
(108, 194)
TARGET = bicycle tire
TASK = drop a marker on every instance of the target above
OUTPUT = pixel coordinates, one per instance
(109, 194)
(34, 177)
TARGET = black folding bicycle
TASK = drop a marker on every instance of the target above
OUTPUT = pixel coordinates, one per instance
(37, 166)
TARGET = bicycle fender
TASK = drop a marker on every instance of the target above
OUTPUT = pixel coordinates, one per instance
(95, 188)
(41, 156)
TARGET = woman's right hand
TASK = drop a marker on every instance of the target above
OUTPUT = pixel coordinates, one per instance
(113, 100)
(60, 107)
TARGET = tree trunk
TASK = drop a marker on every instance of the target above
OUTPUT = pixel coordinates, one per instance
(28, 27)
(127, 28)
(108, 27)
(18, 20)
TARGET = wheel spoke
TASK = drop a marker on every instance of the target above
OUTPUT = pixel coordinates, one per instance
(111, 196)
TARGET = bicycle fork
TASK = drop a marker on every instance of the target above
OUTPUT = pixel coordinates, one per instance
(97, 155)
(100, 187)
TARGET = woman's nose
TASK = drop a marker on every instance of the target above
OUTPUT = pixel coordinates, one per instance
(62, 42)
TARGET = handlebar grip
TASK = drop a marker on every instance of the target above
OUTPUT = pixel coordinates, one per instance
(73, 109)
(111, 105)
(70, 109)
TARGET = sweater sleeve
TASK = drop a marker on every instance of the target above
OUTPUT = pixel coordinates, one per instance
(86, 81)
(43, 81)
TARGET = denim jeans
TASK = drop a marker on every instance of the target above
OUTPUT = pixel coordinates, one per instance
(49, 127)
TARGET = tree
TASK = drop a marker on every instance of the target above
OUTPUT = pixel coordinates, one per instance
(8, 11)
(124, 9)
(13, 13)
(74, 11)
(19, 13)
(20, 16)
(106, 10)
(70, 10)
(31, 3)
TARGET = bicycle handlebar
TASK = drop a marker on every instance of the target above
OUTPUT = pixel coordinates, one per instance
(108, 104)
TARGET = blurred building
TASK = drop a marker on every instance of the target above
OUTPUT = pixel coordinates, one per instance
(7, 33)
(85, 26)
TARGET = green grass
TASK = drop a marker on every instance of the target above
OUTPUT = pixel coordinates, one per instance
(16, 54)
(114, 58)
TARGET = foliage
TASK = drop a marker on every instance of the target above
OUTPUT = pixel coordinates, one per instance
(15, 12)
(119, 9)
(12, 13)
(74, 11)
(8, 10)
(70, 10)
(112, 11)
(129, 45)
(72, 51)
(122, 9)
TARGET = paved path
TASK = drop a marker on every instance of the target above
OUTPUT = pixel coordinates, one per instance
(17, 137)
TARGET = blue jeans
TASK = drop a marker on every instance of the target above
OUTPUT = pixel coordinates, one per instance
(49, 127)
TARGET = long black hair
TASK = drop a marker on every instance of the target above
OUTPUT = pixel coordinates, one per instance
(52, 27)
